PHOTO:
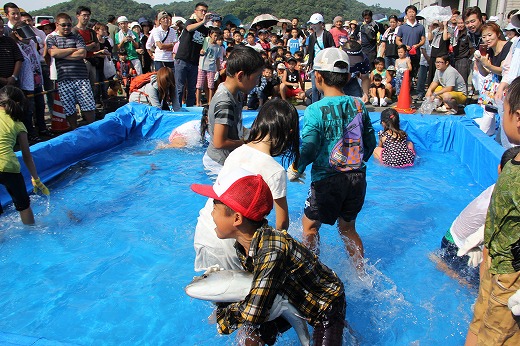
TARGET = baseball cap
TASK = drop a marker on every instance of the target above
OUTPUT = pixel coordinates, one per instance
(316, 18)
(281, 66)
(327, 58)
(493, 19)
(515, 20)
(292, 59)
(131, 26)
(391, 68)
(338, 19)
(122, 19)
(242, 191)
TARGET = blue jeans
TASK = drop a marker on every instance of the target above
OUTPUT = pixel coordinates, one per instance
(389, 61)
(158, 64)
(316, 95)
(421, 80)
(186, 75)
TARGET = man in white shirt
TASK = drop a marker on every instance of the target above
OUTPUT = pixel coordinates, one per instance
(164, 37)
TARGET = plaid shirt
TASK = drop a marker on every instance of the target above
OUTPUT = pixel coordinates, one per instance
(280, 265)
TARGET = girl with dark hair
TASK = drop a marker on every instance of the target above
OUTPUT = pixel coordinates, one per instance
(190, 134)
(275, 132)
(393, 148)
(159, 92)
(12, 103)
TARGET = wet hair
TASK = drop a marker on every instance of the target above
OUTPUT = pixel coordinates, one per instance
(378, 77)
(508, 155)
(83, 9)
(513, 95)
(390, 121)
(244, 59)
(63, 15)
(472, 10)
(493, 27)
(204, 123)
(166, 84)
(13, 101)
(410, 7)
(336, 79)
(279, 120)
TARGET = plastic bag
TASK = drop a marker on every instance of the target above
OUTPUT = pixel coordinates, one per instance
(428, 106)
(109, 70)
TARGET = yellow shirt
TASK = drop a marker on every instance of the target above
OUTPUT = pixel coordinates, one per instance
(9, 130)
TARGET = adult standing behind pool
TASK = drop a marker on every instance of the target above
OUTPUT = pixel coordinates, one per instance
(188, 54)
(128, 40)
(412, 34)
(319, 40)
(368, 32)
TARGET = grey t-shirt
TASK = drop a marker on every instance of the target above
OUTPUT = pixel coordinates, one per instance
(450, 77)
(226, 110)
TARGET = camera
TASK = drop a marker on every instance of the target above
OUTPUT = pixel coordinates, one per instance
(214, 17)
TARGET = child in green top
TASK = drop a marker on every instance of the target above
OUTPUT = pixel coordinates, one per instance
(493, 321)
(280, 264)
(12, 129)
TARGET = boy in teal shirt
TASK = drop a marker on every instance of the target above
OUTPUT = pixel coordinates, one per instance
(338, 138)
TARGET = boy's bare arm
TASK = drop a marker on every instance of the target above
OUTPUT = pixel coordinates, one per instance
(221, 139)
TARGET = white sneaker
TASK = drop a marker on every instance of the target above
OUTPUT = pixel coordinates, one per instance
(374, 101)
(383, 102)
(441, 109)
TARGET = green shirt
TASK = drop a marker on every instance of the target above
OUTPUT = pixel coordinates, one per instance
(502, 229)
(280, 265)
(9, 130)
(129, 46)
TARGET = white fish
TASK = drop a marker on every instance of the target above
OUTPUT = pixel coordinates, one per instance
(228, 286)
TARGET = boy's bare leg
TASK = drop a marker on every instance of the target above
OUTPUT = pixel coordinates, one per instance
(27, 216)
(311, 237)
(89, 116)
(471, 339)
(73, 121)
(352, 240)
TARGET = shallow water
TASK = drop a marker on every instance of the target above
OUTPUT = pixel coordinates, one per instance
(113, 250)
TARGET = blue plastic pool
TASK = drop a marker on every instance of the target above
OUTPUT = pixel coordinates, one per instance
(113, 250)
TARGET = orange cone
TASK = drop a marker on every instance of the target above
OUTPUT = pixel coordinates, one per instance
(59, 122)
(404, 100)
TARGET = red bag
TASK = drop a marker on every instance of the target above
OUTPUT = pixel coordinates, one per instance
(139, 81)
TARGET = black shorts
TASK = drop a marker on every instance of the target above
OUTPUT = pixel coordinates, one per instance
(270, 330)
(341, 195)
(15, 186)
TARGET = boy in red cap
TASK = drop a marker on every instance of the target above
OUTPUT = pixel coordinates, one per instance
(279, 263)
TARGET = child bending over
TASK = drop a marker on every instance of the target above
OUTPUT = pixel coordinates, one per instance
(280, 265)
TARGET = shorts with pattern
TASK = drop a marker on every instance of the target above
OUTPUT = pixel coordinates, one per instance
(15, 186)
(204, 76)
(493, 322)
(76, 91)
(341, 195)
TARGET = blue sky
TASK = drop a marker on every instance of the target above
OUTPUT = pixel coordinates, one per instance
(31, 5)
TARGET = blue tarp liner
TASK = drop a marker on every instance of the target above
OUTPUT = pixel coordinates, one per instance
(428, 132)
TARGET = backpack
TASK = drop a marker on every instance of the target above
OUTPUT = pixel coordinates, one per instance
(347, 154)
(139, 81)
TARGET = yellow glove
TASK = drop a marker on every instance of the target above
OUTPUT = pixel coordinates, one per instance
(38, 185)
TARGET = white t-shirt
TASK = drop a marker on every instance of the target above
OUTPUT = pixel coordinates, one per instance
(190, 131)
(471, 218)
(209, 248)
(158, 35)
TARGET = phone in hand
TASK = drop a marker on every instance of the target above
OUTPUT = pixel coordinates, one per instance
(482, 48)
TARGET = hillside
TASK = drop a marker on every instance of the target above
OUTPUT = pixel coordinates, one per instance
(246, 10)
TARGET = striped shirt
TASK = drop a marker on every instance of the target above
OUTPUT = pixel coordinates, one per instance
(68, 69)
(280, 265)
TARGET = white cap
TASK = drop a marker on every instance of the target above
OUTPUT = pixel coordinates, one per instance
(316, 18)
(328, 57)
(493, 19)
(122, 19)
(510, 26)
(131, 26)
(515, 20)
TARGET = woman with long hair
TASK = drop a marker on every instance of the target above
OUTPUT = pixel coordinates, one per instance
(159, 92)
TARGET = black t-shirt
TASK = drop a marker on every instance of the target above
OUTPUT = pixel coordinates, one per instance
(190, 43)
(496, 60)
(462, 49)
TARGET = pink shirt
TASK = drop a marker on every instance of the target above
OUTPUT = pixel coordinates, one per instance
(337, 33)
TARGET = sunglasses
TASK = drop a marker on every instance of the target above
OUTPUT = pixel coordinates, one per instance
(65, 25)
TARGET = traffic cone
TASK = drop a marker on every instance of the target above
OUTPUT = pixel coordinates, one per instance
(59, 122)
(404, 100)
